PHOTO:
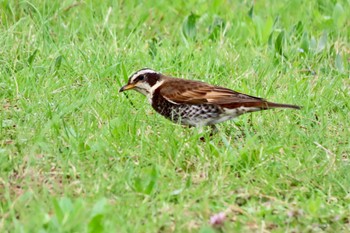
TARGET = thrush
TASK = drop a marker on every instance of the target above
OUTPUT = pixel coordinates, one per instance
(194, 103)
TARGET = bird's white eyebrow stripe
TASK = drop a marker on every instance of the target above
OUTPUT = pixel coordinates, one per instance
(140, 72)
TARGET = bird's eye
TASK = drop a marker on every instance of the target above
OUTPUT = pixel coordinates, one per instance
(141, 77)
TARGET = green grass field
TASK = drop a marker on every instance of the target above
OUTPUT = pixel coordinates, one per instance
(77, 156)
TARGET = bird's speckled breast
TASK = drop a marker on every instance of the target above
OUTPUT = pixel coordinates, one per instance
(188, 114)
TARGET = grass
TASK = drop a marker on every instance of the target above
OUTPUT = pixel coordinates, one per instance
(76, 156)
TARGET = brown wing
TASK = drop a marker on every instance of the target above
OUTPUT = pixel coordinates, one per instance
(181, 91)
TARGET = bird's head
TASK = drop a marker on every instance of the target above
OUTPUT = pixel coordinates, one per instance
(143, 81)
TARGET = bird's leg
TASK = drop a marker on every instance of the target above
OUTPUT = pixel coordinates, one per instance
(200, 131)
(214, 130)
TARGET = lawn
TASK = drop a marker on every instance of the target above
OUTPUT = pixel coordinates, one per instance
(77, 156)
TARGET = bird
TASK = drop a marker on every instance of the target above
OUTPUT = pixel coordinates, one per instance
(194, 103)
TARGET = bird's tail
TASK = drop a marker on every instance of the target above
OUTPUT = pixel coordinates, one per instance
(277, 105)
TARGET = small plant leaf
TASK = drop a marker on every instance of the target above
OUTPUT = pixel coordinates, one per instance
(339, 63)
(276, 21)
(279, 43)
(322, 43)
(269, 41)
(189, 26)
(58, 62)
(96, 224)
(304, 45)
(152, 180)
(313, 44)
(338, 15)
(258, 25)
(216, 28)
(267, 29)
(99, 207)
(66, 204)
(299, 29)
(138, 185)
(32, 57)
(58, 211)
(251, 12)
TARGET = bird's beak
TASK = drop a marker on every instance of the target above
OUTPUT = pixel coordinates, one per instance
(127, 87)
